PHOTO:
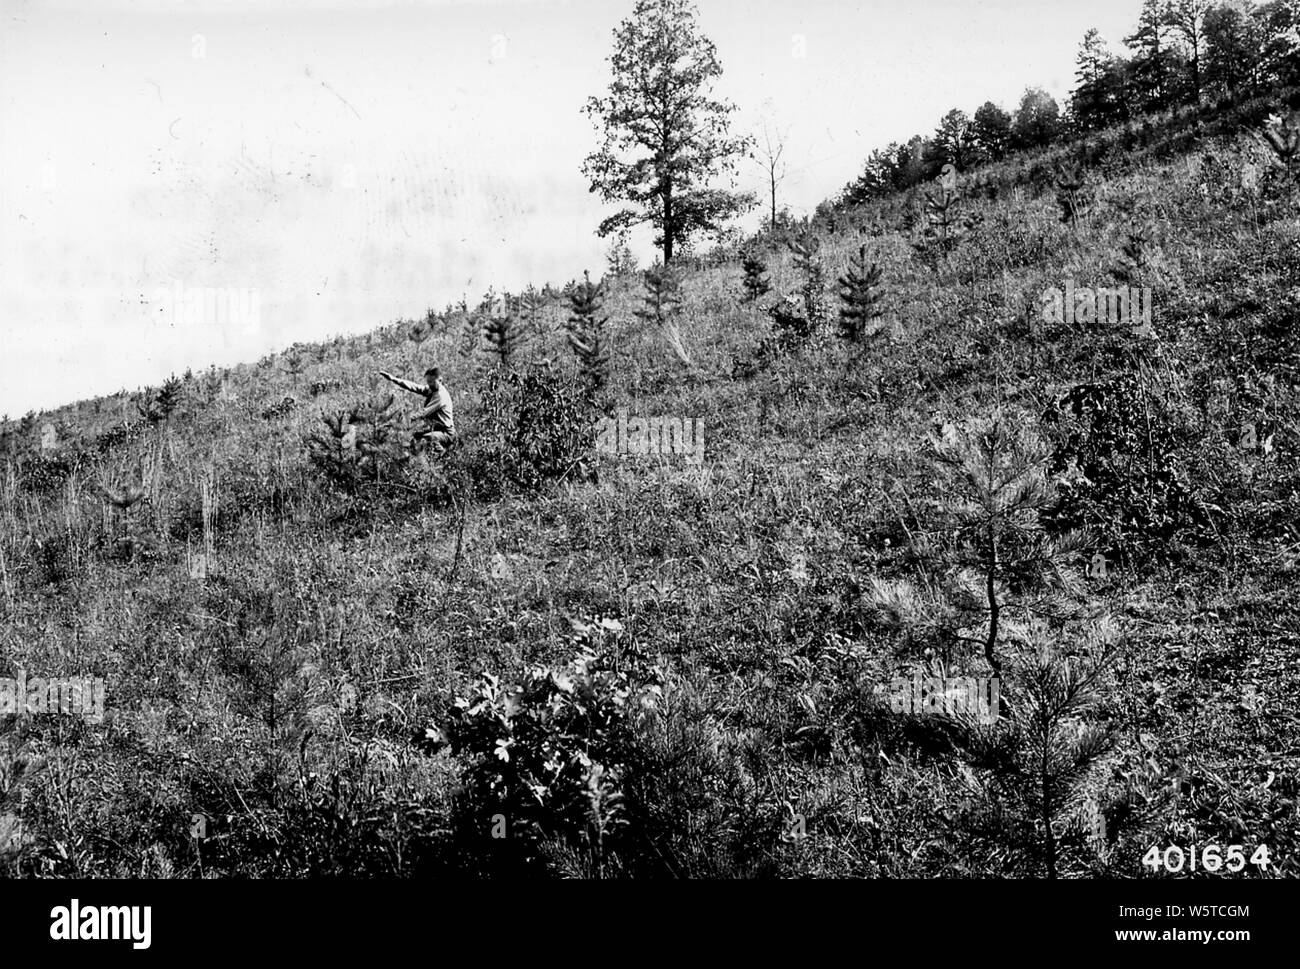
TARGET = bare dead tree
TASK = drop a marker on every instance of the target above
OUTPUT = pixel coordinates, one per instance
(768, 151)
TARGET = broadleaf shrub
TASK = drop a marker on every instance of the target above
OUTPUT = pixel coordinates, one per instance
(549, 751)
(532, 428)
(1121, 465)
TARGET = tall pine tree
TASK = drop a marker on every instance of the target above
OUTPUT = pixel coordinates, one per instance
(1153, 60)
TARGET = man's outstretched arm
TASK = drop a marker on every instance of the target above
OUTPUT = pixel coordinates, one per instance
(404, 384)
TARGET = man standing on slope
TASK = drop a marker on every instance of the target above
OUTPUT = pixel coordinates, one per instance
(438, 428)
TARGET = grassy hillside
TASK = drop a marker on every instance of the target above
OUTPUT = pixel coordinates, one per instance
(735, 624)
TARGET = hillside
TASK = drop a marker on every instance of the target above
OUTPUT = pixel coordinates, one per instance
(741, 618)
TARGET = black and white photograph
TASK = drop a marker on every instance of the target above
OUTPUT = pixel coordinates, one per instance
(839, 445)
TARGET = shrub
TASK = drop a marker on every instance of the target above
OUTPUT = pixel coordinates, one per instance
(1120, 464)
(549, 752)
(533, 428)
(1282, 136)
(793, 331)
(1134, 256)
(282, 409)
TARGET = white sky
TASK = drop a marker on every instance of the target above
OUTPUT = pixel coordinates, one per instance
(357, 163)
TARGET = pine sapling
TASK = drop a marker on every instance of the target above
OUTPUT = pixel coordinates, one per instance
(213, 384)
(126, 498)
(662, 299)
(506, 337)
(169, 397)
(860, 298)
(756, 282)
(333, 450)
(293, 366)
(1071, 191)
(586, 332)
(362, 444)
(987, 557)
(1134, 255)
(661, 305)
(471, 337)
(159, 406)
(806, 248)
(619, 257)
(943, 221)
(1281, 134)
(531, 305)
(1039, 763)
(378, 436)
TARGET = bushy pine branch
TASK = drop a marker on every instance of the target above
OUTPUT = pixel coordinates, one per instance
(1039, 762)
(986, 553)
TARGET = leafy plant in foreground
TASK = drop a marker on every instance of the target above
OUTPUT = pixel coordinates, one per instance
(548, 752)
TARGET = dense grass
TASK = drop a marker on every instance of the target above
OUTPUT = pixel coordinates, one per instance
(285, 695)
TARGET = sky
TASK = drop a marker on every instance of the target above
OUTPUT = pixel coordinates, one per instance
(191, 182)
